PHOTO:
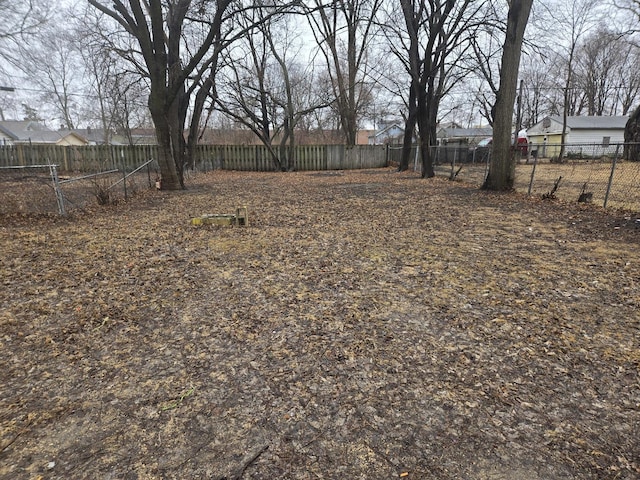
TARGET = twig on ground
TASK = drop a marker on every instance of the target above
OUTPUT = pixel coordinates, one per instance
(248, 460)
(25, 429)
(552, 194)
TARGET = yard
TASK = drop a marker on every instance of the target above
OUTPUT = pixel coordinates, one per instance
(364, 325)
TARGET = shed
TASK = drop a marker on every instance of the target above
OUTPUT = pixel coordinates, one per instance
(546, 136)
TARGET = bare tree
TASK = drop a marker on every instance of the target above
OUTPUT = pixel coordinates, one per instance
(112, 90)
(572, 20)
(628, 90)
(535, 95)
(265, 90)
(344, 31)
(175, 68)
(176, 45)
(597, 61)
(432, 43)
(502, 167)
(632, 128)
(52, 65)
(20, 20)
(487, 48)
(157, 29)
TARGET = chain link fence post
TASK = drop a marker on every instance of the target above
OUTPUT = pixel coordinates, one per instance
(124, 176)
(533, 173)
(53, 170)
(487, 165)
(613, 169)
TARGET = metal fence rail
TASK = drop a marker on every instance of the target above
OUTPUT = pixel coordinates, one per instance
(29, 189)
(41, 189)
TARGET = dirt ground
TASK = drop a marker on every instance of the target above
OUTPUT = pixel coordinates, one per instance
(365, 325)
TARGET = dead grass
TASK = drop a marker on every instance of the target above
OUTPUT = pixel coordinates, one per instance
(365, 325)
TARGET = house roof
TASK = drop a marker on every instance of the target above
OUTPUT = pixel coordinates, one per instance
(97, 135)
(387, 130)
(53, 136)
(592, 122)
(17, 129)
(465, 132)
(25, 131)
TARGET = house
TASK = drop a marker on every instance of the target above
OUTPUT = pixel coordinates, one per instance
(582, 131)
(462, 136)
(100, 136)
(391, 133)
(362, 137)
(29, 132)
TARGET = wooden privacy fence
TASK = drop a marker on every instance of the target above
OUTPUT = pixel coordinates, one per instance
(89, 158)
(94, 158)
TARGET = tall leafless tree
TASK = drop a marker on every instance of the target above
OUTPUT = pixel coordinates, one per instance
(598, 61)
(628, 91)
(266, 89)
(20, 21)
(113, 89)
(572, 21)
(51, 63)
(344, 31)
(534, 98)
(502, 166)
(176, 45)
(157, 28)
(487, 48)
(432, 43)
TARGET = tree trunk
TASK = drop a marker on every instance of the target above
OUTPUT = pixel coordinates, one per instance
(565, 110)
(632, 137)
(502, 167)
(196, 117)
(428, 105)
(168, 171)
(425, 139)
(409, 127)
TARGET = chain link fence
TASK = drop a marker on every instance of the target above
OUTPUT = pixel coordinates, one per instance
(42, 189)
(588, 173)
(595, 174)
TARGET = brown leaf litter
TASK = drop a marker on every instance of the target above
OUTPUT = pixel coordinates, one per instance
(364, 325)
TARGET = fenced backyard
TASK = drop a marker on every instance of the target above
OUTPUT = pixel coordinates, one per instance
(364, 324)
(49, 179)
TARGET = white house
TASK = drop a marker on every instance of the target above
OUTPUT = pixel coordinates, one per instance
(582, 132)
